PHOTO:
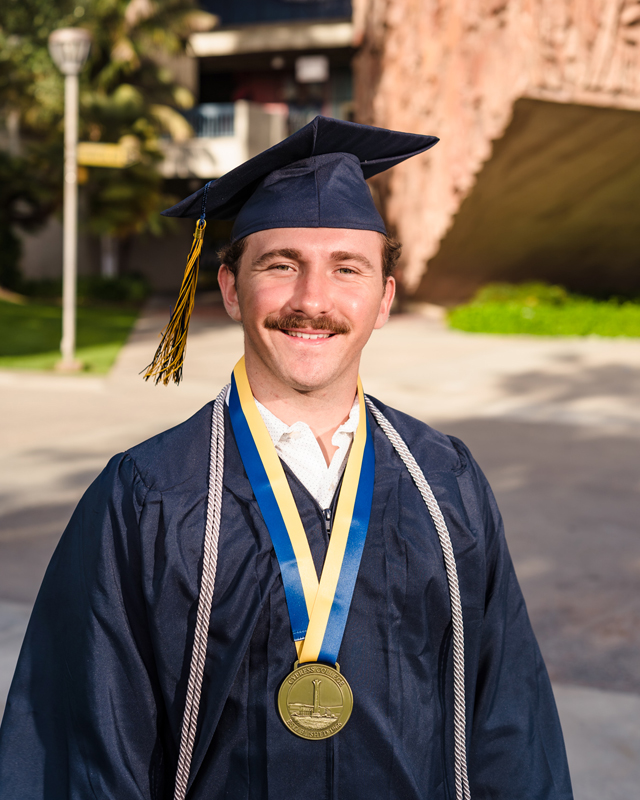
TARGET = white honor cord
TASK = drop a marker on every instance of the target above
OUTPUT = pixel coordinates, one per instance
(207, 583)
(212, 533)
(459, 702)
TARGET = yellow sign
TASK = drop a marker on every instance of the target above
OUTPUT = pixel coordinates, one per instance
(100, 154)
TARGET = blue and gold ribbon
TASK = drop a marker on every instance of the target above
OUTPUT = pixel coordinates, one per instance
(318, 610)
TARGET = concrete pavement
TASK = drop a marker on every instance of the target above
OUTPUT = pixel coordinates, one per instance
(555, 424)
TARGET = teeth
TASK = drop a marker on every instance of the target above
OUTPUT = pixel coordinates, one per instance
(309, 335)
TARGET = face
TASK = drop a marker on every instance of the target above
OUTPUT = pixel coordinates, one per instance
(308, 298)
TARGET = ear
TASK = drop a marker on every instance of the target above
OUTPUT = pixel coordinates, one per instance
(385, 303)
(227, 283)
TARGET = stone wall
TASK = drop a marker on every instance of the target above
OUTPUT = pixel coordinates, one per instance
(455, 69)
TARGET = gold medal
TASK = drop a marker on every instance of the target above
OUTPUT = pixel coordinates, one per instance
(315, 701)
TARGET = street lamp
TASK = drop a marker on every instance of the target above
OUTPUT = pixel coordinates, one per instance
(69, 49)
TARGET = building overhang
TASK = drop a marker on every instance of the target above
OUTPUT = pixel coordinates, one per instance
(273, 38)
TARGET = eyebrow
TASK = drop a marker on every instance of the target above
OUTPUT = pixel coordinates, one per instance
(286, 252)
(345, 255)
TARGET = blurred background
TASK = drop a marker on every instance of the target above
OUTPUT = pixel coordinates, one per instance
(518, 320)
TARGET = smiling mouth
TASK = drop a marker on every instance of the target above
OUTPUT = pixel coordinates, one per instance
(299, 335)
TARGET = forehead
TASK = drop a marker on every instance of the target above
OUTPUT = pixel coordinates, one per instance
(317, 242)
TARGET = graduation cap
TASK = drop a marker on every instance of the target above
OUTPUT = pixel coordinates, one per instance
(316, 178)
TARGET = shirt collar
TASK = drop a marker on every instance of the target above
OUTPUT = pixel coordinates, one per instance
(277, 428)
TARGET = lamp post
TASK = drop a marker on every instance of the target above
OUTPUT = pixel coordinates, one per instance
(69, 49)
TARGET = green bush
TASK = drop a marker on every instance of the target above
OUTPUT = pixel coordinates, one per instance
(528, 294)
(130, 289)
(544, 310)
(44, 289)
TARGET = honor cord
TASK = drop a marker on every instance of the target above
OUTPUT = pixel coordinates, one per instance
(207, 583)
(459, 702)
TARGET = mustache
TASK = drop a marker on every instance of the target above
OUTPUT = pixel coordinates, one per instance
(293, 321)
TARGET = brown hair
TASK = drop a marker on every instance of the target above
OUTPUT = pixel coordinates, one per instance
(231, 254)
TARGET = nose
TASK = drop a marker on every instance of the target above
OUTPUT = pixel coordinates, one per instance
(311, 293)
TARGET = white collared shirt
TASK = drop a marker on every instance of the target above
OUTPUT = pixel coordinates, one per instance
(298, 448)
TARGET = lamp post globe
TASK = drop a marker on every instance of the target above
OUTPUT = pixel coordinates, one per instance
(69, 49)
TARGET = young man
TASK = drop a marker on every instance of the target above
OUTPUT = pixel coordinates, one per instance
(339, 622)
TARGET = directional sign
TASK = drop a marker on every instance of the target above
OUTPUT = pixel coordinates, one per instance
(100, 154)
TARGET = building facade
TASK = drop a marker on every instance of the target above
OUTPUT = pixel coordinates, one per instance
(536, 102)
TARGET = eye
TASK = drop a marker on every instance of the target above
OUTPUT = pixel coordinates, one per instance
(346, 270)
(281, 267)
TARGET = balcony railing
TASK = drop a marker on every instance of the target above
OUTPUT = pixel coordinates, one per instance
(225, 135)
(228, 134)
(210, 120)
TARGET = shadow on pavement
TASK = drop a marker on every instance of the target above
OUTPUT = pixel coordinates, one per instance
(28, 538)
(621, 380)
(568, 496)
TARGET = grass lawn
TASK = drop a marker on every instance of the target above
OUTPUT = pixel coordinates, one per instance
(544, 310)
(30, 335)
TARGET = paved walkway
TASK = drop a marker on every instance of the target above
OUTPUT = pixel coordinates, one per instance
(555, 423)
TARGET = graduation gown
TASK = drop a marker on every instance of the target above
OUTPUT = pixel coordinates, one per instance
(95, 708)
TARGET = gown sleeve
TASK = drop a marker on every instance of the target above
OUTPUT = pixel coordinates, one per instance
(81, 719)
(516, 747)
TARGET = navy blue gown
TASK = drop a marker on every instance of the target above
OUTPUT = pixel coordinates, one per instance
(96, 704)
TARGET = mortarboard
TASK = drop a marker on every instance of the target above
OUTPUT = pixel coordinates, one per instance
(316, 178)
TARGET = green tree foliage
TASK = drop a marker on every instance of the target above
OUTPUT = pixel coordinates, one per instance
(126, 90)
(23, 204)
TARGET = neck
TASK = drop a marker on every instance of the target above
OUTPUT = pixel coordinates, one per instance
(323, 410)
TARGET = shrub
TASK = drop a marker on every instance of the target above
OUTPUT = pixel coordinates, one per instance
(528, 294)
(544, 310)
(133, 289)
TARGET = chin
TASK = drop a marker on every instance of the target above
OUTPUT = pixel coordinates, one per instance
(306, 380)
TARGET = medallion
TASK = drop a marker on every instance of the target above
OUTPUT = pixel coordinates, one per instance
(315, 701)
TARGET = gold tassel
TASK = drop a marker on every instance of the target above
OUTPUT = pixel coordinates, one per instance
(169, 358)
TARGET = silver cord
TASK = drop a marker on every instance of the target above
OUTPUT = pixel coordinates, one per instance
(207, 583)
(212, 533)
(459, 704)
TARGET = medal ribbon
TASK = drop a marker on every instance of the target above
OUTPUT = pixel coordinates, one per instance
(318, 610)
